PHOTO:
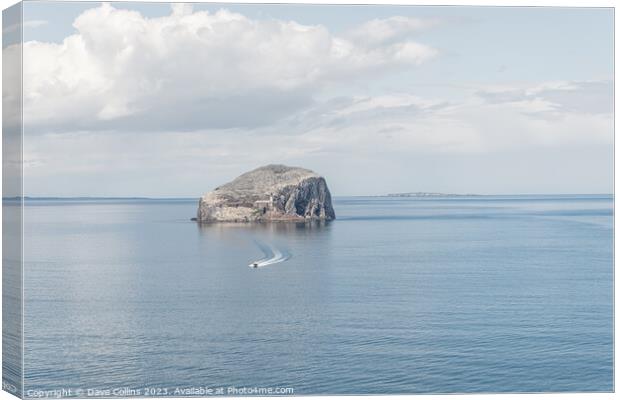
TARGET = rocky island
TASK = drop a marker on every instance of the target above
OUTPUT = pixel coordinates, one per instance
(269, 193)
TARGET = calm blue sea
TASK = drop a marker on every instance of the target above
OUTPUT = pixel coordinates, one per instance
(398, 295)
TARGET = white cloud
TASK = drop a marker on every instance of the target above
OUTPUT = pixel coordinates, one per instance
(380, 31)
(344, 138)
(402, 123)
(178, 104)
(33, 23)
(592, 97)
(188, 70)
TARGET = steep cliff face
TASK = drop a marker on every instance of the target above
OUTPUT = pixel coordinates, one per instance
(269, 193)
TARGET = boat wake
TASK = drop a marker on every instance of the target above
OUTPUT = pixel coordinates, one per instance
(273, 255)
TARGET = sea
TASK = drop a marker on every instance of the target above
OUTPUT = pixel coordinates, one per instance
(468, 294)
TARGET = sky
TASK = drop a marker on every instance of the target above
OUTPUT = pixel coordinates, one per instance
(160, 100)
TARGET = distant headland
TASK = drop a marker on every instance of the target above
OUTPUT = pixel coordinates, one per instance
(429, 194)
(269, 193)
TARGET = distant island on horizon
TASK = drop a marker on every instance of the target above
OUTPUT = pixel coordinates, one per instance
(430, 194)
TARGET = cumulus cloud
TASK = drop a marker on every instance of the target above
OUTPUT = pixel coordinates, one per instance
(189, 70)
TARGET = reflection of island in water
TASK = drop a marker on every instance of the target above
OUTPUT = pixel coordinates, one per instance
(268, 243)
(269, 193)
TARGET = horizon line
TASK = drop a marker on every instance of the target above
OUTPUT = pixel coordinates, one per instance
(403, 195)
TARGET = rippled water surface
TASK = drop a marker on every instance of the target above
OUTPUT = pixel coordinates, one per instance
(487, 294)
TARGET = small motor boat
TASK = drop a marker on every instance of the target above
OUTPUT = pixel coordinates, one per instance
(254, 265)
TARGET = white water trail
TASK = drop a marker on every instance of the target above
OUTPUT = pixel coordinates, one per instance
(273, 255)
